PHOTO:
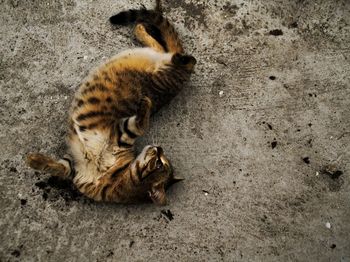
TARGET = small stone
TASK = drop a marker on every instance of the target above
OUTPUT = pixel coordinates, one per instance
(306, 160)
(221, 93)
(205, 192)
(328, 225)
(317, 173)
(273, 144)
(85, 57)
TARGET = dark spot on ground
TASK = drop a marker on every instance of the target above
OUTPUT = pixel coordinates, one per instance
(110, 253)
(45, 196)
(132, 242)
(167, 214)
(309, 142)
(306, 160)
(65, 188)
(273, 144)
(293, 25)
(332, 172)
(230, 8)
(276, 32)
(269, 126)
(272, 77)
(41, 184)
(13, 169)
(309, 124)
(228, 26)
(23, 202)
(336, 174)
(333, 246)
(16, 253)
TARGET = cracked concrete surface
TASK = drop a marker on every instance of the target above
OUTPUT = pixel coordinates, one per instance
(261, 134)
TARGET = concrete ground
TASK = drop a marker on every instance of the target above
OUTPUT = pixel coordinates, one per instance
(261, 134)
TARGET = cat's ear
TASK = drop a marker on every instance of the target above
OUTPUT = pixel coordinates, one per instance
(157, 194)
(174, 180)
(186, 61)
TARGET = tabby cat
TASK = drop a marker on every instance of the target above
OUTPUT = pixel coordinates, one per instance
(112, 108)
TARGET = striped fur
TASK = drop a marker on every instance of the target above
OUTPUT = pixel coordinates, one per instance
(112, 108)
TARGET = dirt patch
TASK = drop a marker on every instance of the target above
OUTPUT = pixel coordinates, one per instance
(194, 12)
(333, 177)
(230, 8)
(61, 189)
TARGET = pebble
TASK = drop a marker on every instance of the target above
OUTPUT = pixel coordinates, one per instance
(328, 225)
(221, 93)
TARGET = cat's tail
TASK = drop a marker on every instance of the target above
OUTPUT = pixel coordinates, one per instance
(62, 168)
(156, 26)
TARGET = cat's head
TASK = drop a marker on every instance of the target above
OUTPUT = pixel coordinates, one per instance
(155, 173)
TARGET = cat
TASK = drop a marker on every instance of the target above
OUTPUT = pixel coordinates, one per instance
(112, 108)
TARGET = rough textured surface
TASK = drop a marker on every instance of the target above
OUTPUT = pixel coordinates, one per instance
(261, 134)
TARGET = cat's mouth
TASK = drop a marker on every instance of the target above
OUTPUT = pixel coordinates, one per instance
(159, 162)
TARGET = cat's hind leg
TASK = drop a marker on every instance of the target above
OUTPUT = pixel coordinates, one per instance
(62, 168)
(150, 36)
